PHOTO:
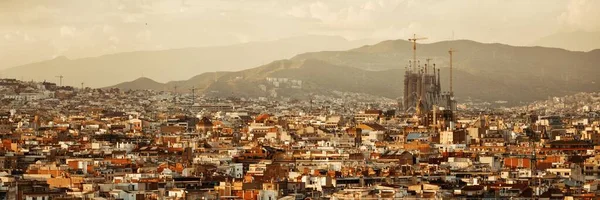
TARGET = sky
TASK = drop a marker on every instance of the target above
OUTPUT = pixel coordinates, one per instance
(36, 30)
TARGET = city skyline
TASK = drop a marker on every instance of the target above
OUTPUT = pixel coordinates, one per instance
(299, 99)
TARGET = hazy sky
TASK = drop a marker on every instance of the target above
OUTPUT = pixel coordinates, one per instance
(33, 30)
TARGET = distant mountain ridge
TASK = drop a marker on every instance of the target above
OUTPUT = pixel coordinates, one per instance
(482, 71)
(577, 40)
(174, 64)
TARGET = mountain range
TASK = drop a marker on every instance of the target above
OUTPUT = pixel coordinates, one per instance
(174, 64)
(481, 71)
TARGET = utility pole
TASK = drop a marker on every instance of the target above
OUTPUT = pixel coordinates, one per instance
(414, 41)
(60, 79)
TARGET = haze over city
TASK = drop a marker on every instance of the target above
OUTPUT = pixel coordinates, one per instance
(33, 31)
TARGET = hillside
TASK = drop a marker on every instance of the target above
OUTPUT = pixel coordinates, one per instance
(175, 64)
(482, 71)
(142, 83)
(319, 77)
(539, 70)
(200, 82)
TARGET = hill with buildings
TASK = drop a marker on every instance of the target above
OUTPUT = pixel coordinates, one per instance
(487, 72)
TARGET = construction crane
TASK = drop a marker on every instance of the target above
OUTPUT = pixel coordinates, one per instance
(414, 41)
(60, 79)
(451, 51)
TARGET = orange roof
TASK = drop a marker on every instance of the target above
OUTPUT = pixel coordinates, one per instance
(118, 161)
(262, 117)
(517, 162)
(173, 149)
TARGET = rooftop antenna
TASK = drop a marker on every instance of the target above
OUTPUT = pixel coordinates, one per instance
(414, 41)
(451, 51)
(60, 79)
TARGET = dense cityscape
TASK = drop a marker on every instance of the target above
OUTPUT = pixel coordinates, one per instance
(62, 142)
(299, 100)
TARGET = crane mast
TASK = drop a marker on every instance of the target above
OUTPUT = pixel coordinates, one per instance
(414, 41)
